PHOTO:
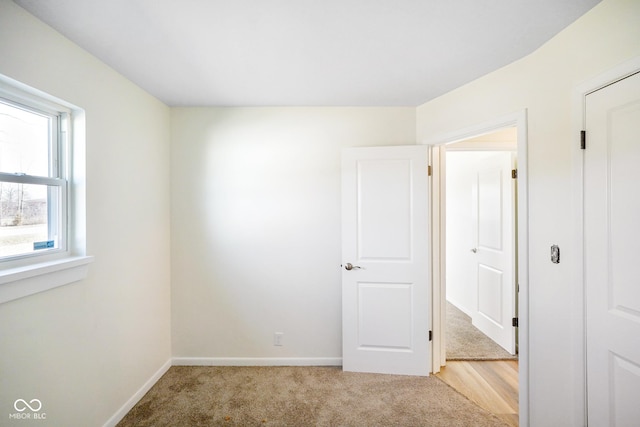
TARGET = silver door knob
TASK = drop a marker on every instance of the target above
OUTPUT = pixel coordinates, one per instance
(349, 266)
(474, 250)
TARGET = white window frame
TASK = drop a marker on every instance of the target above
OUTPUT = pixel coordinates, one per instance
(27, 274)
(58, 173)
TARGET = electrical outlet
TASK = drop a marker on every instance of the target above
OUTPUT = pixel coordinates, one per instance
(277, 338)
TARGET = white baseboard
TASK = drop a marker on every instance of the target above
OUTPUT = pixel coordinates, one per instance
(124, 410)
(257, 361)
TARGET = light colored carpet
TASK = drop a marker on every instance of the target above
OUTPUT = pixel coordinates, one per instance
(301, 396)
(466, 342)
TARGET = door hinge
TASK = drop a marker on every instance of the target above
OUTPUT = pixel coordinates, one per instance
(430, 335)
(514, 322)
(583, 139)
(429, 170)
(514, 173)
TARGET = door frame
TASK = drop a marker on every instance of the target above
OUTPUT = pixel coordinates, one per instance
(438, 215)
(579, 104)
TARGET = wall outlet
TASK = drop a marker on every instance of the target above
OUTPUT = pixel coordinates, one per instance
(277, 338)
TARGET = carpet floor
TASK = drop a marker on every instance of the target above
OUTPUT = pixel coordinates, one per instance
(301, 396)
(466, 342)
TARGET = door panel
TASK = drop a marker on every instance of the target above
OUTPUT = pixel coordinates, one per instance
(494, 248)
(490, 298)
(385, 296)
(384, 209)
(385, 315)
(612, 245)
(490, 195)
(625, 384)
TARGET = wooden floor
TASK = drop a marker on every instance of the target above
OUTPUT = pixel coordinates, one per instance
(492, 385)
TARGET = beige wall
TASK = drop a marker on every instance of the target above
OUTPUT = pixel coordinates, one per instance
(545, 84)
(256, 225)
(86, 348)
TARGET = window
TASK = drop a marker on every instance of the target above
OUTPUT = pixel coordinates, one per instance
(33, 185)
(42, 212)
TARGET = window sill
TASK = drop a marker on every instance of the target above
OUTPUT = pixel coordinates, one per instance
(24, 281)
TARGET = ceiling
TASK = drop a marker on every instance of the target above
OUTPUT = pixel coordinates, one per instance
(306, 52)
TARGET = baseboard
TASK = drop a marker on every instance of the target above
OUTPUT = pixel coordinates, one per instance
(124, 410)
(257, 361)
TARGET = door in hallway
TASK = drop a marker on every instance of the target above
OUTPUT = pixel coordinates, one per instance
(494, 248)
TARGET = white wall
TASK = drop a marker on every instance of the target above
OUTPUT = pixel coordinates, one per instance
(461, 262)
(256, 225)
(85, 348)
(544, 84)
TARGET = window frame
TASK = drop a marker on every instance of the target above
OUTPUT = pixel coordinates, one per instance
(31, 273)
(58, 175)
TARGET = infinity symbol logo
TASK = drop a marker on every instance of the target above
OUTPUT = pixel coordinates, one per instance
(21, 403)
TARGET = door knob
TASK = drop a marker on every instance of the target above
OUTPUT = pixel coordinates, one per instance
(349, 266)
(474, 250)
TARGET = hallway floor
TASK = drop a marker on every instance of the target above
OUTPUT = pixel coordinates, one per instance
(492, 385)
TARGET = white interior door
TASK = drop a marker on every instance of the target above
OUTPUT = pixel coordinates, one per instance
(385, 260)
(493, 248)
(612, 247)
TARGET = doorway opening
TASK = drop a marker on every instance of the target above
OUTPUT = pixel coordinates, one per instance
(480, 235)
(478, 152)
(481, 241)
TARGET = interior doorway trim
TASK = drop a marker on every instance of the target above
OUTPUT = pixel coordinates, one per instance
(518, 119)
